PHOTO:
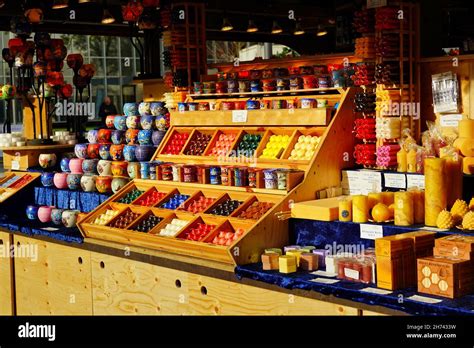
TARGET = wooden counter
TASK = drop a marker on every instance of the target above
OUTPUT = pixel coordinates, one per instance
(103, 278)
(22, 158)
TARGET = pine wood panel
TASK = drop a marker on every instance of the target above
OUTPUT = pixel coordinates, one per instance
(58, 283)
(6, 278)
(125, 287)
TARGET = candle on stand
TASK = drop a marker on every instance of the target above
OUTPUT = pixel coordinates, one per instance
(402, 161)
(411, 161)
(345, 210)
(418, 204)
(404, 211)
(360, 209)
(436, 195)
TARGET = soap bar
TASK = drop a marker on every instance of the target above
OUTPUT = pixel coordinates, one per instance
(309, 262)
(467, 147)
(321, 209)
(273, 251)
(270, 261)
(468, 165)
(296, 254)
(466, 129)
(461, 247)
(287, 264)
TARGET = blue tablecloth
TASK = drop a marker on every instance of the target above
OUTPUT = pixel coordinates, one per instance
(67, 199)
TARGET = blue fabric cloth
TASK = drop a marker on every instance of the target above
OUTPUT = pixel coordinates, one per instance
(398, 300)
(66, 199)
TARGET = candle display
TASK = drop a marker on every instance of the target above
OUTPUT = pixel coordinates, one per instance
(345, 210)
(360, 209)
(435, 189)
(404, 209)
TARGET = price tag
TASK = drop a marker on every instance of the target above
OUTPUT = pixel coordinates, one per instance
(395, 180)
(371, 231)
(424, 299)
(376, 291)
(450, 120)
(414, 180)
(15, 165)
(239, 116)
(324, 281)
(50, 229)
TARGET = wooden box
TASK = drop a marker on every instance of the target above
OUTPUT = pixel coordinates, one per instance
(447, 277)
(461, 247)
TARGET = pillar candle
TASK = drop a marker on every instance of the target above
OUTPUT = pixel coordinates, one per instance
(436, 199)
(454, 178)
(345, 210)
(411, 161)
(374, 198)
(402, 161)
(404, 210)
(418, 204)
(387, 198)
(360, 209)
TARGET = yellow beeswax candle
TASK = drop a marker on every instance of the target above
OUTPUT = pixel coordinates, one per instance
(402, 161)
(374, 198)
(360, 209)
(345, 210)
(436, 195)
(411, 161)
(454, 178)
(404, 211)
(418, 204)
(387, 198)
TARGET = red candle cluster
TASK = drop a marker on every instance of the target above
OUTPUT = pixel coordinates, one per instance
(365, 128)
(256, 210)
(21, 182)
(151, 199)
(386, 18)
(223, 145)
(227, 237)
(176, 144)
(199, 205)
(198, 233)
(365, 154)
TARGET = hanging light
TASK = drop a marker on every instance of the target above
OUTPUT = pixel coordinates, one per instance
(276, 29)
(84, 1)
(34, 15)
(226, 25)
(107, 17)
(298, 29)
(58, 4)
(252, 28)
(321, 31)
(2, 3)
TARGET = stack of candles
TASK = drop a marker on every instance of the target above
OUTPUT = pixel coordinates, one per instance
(364, 74)
(388, 128)
(364, 47)
(365, 154)
(387, 155)
(365, 129)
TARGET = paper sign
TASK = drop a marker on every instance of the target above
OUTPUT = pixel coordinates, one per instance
(376, 3)
(324, 281)
(361, 182)
(50, 229)
(393, 180)
(371, 231)
(450, 120)
(416, 180)
(350, 273)
(376, 291)
(424, 299)
(239, 116)
(324, 274)
(15, 165)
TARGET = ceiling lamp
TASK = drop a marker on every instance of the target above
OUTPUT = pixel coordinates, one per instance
(321, 31)
(107, 17)
(276, 29)
(34, 15)
(298, 29)
(226, 25)
(84, 1)
(252, 28)
(58, 4)
(2, 3)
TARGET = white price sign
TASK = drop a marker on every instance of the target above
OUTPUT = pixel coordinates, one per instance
(393, 180)
(450, 120)
(371, 231)
(414, 180)
(239, 116)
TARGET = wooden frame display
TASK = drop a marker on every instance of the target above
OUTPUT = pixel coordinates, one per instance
(13, 182)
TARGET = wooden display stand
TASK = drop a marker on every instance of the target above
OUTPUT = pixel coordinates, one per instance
(9, 183)
(322, 171)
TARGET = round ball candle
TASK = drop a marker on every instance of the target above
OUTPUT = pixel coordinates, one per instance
(418, 204)
(436, 195)
(345, 210)
(360, 209)
(374, 198)
(402, 161)
(404, 209)
(411, 161)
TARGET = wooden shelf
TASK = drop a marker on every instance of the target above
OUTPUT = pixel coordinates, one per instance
(268, 117)
(252, 94)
